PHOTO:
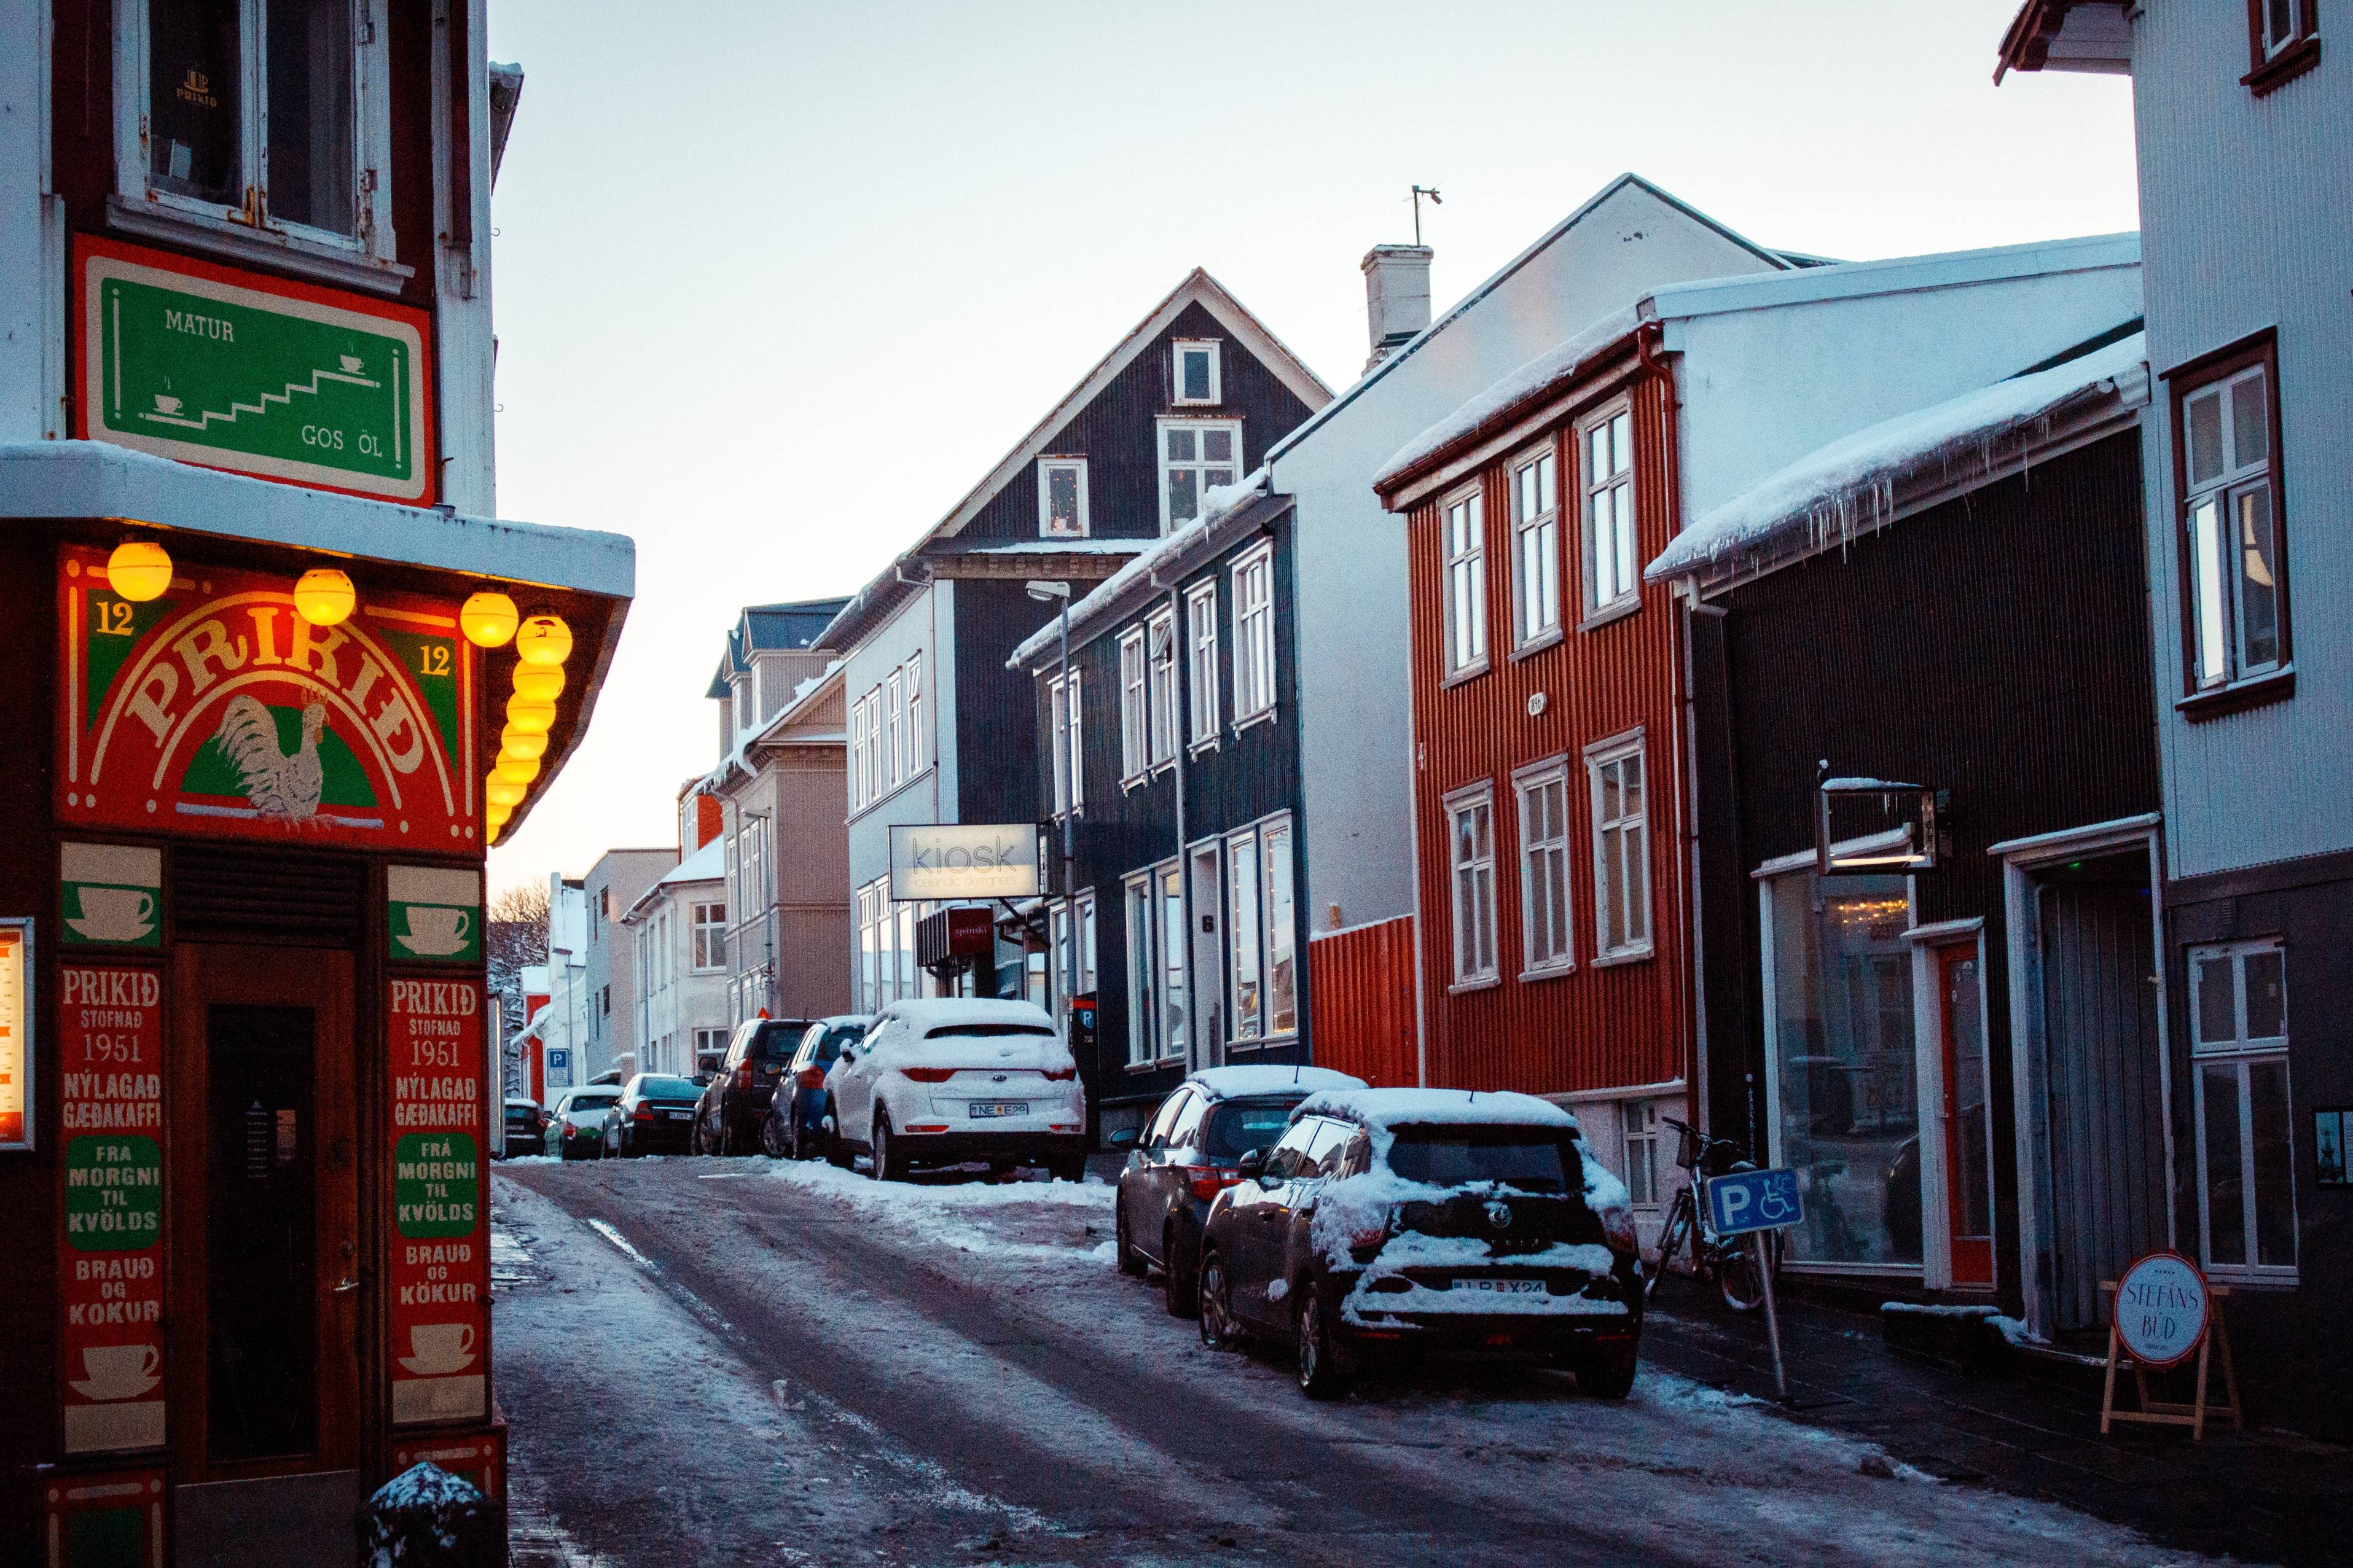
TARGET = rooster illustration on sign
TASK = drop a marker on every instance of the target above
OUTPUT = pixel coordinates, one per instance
(283, 786)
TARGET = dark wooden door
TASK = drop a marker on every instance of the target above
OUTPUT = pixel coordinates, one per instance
(1968, 1179)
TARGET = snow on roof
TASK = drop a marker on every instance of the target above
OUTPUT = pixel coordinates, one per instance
(707, 864)
(751, 735)
(1553, 367)
(1217, 502)
(1388, 1108)
(1227, 1083)
(944, 1012)
(1826, 492)
(1064, 547)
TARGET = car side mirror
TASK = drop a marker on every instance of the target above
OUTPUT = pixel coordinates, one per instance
(849, 1055)
(1252, 1167)
(1126, 1138)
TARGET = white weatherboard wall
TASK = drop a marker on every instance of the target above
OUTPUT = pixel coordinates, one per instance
(1764, 382)
(32, 228)
(930, 795)
(1356, 719)
(2247, 208)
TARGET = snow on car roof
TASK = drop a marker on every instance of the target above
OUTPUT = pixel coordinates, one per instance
(1388, 1108)
(947, 1012)
(1227, 1083)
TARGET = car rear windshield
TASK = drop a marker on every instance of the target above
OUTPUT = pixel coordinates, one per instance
(776, 1042)
(829, 1045)
(985, 1031)
(1240, 1126)
(581, 1102)
(1535, 1160)
(667, 1088)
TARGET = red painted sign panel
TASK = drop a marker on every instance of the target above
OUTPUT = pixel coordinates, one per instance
(217, 708)
(440, 1235)
(110, 1248)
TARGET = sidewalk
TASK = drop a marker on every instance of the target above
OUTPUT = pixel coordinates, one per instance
(2258, 1496)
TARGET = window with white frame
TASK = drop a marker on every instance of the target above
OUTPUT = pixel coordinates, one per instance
(1197, 373)
(1641, 1124)
(1253, 635)
(1201, 656)
(1606, 457)
(873, 913)
(1242, 951)
(709, 936)
(1135, 708)
(1470, 836)
(1062, 498)
(1058, 956)
(273, 116)
(1160, 640)
(1536, 563)
(2246, 1149)
(709, 1046)
(2280, 25)
(1065, 707)
(1143, 991)
(1196, 454)
(1546, 935)
(894, 709)
(1282, 934)
(1156, 992)
(2225, 430)
(1621, 848)
(1465, 522)
(915, 731)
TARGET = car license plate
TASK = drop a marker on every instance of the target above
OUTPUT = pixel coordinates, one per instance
(980, 1107)
(1503, 1287)
(681, 1116)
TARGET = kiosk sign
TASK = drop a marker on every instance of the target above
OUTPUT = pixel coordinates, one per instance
(2160, 1311)
(439, 1239)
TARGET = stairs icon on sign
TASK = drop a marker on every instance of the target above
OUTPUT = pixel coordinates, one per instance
(167, 407)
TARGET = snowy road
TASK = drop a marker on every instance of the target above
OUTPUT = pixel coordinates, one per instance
(734, 1362)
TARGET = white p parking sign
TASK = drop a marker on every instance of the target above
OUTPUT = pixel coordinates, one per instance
(1754, 1200)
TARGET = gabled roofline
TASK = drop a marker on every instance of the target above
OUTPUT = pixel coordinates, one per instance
(1196, 288)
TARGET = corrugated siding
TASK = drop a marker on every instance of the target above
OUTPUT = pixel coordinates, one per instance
(1362, 984)
(1598, 1027)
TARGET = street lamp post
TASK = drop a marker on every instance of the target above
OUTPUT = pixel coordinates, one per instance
(1049, 593)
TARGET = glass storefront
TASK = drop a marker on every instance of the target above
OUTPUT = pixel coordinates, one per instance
(1844, 1086)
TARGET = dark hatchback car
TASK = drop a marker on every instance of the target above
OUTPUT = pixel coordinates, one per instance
(794, 1128)
(526, 1125)
(1405, 1220)
(727, 1120)
(655, 1116)
(1186, 1154)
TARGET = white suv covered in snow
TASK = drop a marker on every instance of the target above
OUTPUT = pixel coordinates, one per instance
(956, 1079)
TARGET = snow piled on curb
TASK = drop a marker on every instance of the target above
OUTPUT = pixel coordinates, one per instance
(953, 1213)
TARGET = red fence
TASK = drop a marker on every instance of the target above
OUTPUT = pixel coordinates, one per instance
(1360, 985)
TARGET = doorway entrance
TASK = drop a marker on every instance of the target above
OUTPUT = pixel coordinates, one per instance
(1968, 1131)
(1209, 965)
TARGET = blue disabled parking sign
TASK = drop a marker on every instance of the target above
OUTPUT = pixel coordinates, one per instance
(1754, 1200)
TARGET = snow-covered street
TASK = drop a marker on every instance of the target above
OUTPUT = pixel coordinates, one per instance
(740, 1362)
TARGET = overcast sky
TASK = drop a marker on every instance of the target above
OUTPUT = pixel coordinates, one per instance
(777, 283)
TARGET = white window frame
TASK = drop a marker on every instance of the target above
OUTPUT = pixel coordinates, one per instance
(1070, 792)
(372, 237)
(2300, 28)
(1200, 465)
(1210, 347)
(2214, 538)
(894, 734)
(1254, 684)
(916, 750)
(1160, 667)
(1247, 1022)
(1623, 574)
(1202, 696)
(1475, 963)
(1538, 529)
(1047, 468)
(1640, 1128)
(2241, 1051)
(1601, 755)
(1538, 961)
(709, 921)
(1462, 580)
(1279, 930)
(1140, 896)
(1134, 709)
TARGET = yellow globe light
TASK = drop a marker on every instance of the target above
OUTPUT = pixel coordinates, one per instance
(517, 742)
(528, 713)
(543, 640)
(139, 570)
(490, 832)
(540, 682)
(488, 619)
(323, 597)
(499, 792)
(515, 770)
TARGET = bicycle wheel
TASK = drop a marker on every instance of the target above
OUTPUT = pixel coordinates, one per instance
(1672, 1236)
(1735, 1271)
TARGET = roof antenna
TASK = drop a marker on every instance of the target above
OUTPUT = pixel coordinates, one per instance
(1295, 1074)
(1435, 200)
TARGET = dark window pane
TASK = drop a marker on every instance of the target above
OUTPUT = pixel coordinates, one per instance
(2226, 1219)
(1184, 495)
(2258, 579)
(1197, 375)
(2205, 421)
(2267, 1116)
(2266, 994)
(2251, 415)
(196, 145)
(308, 60)
(2216, 1012)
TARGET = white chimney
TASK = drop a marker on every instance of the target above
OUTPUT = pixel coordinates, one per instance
(1396, 296)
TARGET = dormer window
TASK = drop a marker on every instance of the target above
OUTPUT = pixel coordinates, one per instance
(1197, 373)
(1196, 454)
(1062, 498)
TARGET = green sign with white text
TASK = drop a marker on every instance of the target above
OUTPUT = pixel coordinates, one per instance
(290, 387)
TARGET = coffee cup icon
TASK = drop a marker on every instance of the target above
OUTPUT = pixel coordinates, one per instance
(115, 914)
(436, 931)
(351, 365)
(439, 1348)
(119, 1371)
(166, 403)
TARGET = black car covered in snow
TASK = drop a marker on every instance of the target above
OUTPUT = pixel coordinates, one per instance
(1411, 1219)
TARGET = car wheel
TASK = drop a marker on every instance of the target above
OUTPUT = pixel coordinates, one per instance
(887, 1165)
(1219, 1332)
(1178, 1292)
(1321, 1375)
(772, 1138)
(837, 1152)
(1131, 1262)
(1606, 1371)
(1072, 1168)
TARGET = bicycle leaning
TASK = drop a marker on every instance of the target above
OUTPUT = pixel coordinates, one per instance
(1730, 1261)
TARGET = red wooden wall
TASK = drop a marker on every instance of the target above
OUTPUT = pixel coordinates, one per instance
(1360, 997)
(1622, 1025)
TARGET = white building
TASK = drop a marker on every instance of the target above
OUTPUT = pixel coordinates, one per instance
(681, 1017)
